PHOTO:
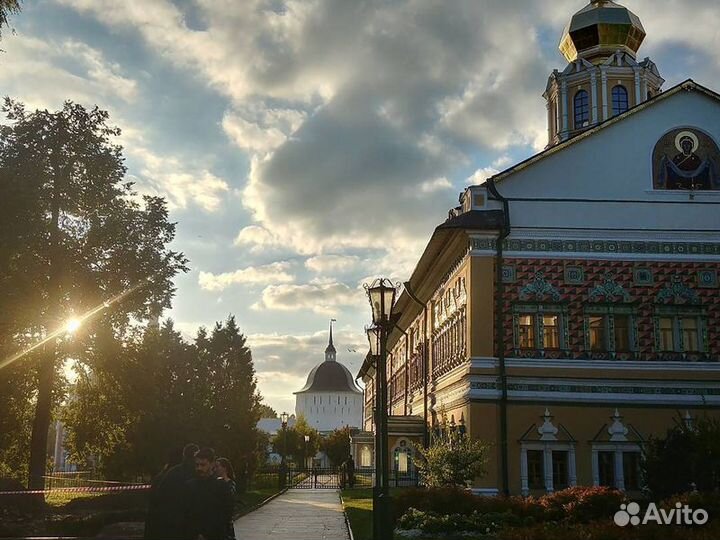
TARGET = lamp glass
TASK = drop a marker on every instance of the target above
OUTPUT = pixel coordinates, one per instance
(382, 297)
(284, 418)
(373, 334)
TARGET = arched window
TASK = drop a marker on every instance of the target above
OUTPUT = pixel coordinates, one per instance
(582, 109)
(619, 99)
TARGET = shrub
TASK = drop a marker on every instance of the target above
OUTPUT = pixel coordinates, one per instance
(688, 455)
(452, 459)
(432, 522)
(582, 504)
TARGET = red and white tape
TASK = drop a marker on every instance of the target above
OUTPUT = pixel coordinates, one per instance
(136, 487)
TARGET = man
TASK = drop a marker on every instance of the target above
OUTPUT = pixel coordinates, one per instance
(350, 468)
(211, 500)
(169, 502)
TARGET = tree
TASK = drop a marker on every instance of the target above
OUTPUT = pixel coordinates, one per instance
(267, 412)
(7, 7)
(453, 459)
(161, 392)
(75, 236)
(292, 441)
(337, 445)
(687, 458)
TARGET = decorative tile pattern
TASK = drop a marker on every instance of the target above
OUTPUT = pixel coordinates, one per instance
(596, 389)
(600, 246)
(574, 275)
(707, 278)
(643, 297)
(508, 273)
(642, 276)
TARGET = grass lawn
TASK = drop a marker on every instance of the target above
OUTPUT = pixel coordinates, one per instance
(358, 506)
(59, 499)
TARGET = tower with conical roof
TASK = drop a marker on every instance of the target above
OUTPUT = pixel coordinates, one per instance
(603, 77)
(330, 398)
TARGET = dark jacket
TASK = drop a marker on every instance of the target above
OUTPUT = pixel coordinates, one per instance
(211, 508)
(170, 503)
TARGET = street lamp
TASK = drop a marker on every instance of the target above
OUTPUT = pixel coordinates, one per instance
(283, 464)
(307, 440)
(381, 294)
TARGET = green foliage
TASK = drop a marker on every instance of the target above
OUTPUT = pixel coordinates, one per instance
(73, 236)
(688, 456)
(159, 393)
(452, 459)
(267, 412)
(7, 7)
(337, 445)
(431, 522)
(293, 440)
(580, 504)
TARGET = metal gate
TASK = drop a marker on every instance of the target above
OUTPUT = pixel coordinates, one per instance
(330, 478)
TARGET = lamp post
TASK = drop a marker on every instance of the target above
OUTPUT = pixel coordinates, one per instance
(283, 464)
(381, 294)
(307, 440)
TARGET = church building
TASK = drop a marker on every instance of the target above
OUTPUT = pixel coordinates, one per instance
(569, 308)
(330, 398)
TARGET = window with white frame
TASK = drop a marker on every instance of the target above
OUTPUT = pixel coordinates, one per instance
(540, 326)
(616, 465)
(610, 329)
(680, 329)
(547, 465)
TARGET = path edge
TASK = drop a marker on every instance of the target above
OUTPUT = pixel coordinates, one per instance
(347, 520)
(259, 505)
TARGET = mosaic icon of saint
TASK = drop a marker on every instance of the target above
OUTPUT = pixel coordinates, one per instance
(687, 170)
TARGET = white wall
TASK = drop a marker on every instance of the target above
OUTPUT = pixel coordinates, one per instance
(326, 411)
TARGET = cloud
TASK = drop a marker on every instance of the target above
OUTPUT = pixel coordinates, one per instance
(323, 264)
(261, 130)
(277, 272)
(357, 115)
(46, 72)
(320, 297)
(182, 184)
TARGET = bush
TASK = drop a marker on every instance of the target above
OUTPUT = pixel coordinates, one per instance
(582, 504)
(607, 530)
(431, 522)
(576, 504)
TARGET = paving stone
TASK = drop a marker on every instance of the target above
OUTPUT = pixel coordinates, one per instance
(296, 515)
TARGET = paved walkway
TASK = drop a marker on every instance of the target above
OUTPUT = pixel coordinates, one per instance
(298, 514)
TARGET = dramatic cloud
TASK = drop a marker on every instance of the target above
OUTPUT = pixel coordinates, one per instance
(271, 273)
(321, 297)
(334, 264)
(44, 73)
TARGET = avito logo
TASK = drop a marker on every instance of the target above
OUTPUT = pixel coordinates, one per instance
(629, 514)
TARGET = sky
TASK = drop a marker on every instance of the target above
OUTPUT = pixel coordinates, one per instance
(305, 147)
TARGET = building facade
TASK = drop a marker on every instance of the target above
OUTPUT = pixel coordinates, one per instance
(330, 398)
(569, 309)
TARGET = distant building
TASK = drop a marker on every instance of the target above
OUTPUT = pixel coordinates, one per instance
(330, 398)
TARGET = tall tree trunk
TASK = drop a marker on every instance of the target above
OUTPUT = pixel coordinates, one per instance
(43, 410)
(41, 423)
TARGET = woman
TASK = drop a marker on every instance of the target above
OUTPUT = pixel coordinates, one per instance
(226, 473)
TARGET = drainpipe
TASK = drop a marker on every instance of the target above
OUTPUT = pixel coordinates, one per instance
(499, 334)
(425, 347)
(407, 370)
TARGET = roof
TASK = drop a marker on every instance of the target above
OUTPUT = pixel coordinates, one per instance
(686, 86)
(329, 376)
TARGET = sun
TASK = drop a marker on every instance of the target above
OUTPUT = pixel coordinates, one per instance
(72, 325)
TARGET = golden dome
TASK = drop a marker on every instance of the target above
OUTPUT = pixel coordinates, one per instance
(599, 29)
